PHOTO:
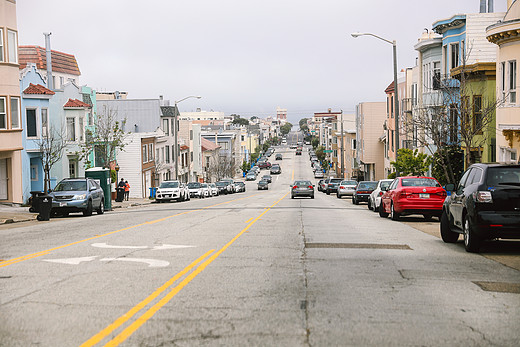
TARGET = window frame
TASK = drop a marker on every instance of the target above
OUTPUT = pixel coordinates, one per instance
(4, 98)
(35, 120)
(44, 125)
(10, 44)
(477, 114)
(73, 128)
(2, 46)
(512, 68)
(454, 50)
(17, 115)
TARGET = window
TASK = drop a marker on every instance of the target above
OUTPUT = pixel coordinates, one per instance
(445, 56)
(512, 81)
(165, 127)
(150, 152)
(158, 156)
(465, 111)
(503, 80)
(81, 129)
(454, 123)
(167, 154)
(436, 81)
(454, 55)
(45, 122)
(12, 46)
(71, 129)
(392, 106)
(3, 114)
(191, 157)
(72, 169)
(393, 137)
(62, 82)
(191, 134)
(90, 118)
(15, 113)
(145, 154)
(1, 45)
(508, 155)
(32, 130)
(477, 113)
(34, 172)
(475, 176)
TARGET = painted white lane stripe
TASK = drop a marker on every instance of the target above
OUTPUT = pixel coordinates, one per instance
(71, 261)
(150, 262)
(104, 245)
(165, 246)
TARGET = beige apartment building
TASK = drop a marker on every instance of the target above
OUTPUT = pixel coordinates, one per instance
(10, 117)
(370, 121)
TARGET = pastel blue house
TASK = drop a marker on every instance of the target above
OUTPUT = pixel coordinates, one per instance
(35, 124)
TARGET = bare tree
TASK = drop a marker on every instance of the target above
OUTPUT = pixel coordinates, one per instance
(107, 137)
(221, 166)
(51, 147)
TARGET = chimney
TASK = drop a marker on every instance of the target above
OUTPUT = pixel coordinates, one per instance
(490, 6)
(50, 85)
(482, 6)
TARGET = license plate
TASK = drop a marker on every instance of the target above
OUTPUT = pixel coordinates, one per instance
(63, 204)
(424, 196)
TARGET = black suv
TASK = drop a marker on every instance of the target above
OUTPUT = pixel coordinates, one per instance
(332, 185)
(485, 205)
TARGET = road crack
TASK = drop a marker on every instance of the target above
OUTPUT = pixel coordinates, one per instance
(304, 304)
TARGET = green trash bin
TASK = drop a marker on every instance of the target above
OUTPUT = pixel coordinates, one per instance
(102, 176)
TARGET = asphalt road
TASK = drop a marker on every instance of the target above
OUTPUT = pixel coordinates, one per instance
(255, 268)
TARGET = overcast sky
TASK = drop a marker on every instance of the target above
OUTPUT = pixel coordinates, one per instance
(245, 57)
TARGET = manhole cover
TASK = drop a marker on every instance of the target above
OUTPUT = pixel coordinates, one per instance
(500, 287)
(356, 245)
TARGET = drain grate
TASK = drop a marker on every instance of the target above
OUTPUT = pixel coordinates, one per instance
(500, 287)
(356, 245)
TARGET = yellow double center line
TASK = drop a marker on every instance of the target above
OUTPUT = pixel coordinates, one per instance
(128, 331)
(41, 253)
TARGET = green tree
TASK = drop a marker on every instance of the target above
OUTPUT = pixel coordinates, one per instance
(315, 142)
(286, 128)
(411, 162)
(452, 171)
(245, 166)
(237, 120)
(320, 153)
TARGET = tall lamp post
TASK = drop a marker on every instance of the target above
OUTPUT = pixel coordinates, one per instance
(396, 98)
(176, 131)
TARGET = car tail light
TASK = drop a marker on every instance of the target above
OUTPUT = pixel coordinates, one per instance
(405, 193)
(381, 193)
(310, 187)
(442, 193)
(484, 196)
(295, 187)
(341, 187)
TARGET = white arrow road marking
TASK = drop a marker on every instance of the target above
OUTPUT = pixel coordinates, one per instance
(165, 246)
(71, 261)
(104, 245)
(150, 262)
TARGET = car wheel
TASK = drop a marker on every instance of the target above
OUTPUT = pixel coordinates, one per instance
(427, 217)
(338, 196)
(393, 215)
(471, 240)
(382, 212)
(101, 208)
(328, 193)
(88, 211)
(355, 201)
(312, 196)
(292, 196)
(180, 199)
(447, 235)
(369, 205)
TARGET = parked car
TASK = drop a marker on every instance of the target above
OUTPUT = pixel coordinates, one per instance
(302, 188)
(268, 178)
(241, 186)
(264, 165)
(206, 191)
(170, 190)
(77, 195)
(213, 188)
(195, 190)
(318, 174)
(299, 151)
(484, 205)
(412, 195)
(332, 185)
(186, 190)
(255, 169)
(275, 169)
(320, 182)
(346, 188)
(263, 184)
(324, 184)
(375, 197)
(278, 156)
(230, 185)
(223, 187)
(251, 176)
(363, 191)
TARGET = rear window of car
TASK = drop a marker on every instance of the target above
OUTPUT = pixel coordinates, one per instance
(348, 183)
(419, 182)
(385, 184)
(67, 186)
(169, 185)
(503, 175)
(221, 184)
(367, 185)
(335, 180)
(302, 183)
(192, 185)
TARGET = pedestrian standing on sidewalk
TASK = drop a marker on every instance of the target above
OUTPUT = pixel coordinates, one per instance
(127, 190)
(121, 183)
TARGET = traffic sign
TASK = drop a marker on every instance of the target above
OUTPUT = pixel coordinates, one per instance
(328, 151)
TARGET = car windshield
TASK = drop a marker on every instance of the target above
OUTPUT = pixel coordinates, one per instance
(419, 182)
(192, 185)
(503, 175)
(169, 185)
(241, 183)
(67, 186)
(385, 184)
(221, 184)
(367, 185)
(302, 183)
(348, 183)
(204, 185)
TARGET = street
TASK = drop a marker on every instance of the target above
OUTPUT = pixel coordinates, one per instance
(255, 268)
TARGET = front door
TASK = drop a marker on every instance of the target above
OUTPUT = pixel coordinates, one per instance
(3, 179)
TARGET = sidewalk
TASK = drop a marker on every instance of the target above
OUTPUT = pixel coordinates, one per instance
(15, 214)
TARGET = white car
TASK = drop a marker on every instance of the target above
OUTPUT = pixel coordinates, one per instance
(213, 188)
(374, 200)
(206, 191)
(195, 190)
(170, 190)
(346, 188)
(318, 174)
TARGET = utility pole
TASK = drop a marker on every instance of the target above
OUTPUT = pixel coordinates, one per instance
(342, 149)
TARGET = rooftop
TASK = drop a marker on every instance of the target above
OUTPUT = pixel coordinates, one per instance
(61, 62)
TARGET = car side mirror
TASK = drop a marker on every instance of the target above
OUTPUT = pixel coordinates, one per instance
(450, 187)
(384, 189)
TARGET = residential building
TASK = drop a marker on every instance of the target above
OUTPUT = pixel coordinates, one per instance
(370, 120)
(281, 114)
(210, 155)
(342, 145)
(204, 115)
(10, 119)
(506, 35)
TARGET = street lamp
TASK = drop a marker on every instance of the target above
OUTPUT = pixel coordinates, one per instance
(396, 98)
(176, 130)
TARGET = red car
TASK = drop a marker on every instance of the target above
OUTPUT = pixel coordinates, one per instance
(412, 195)
(264, 165)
